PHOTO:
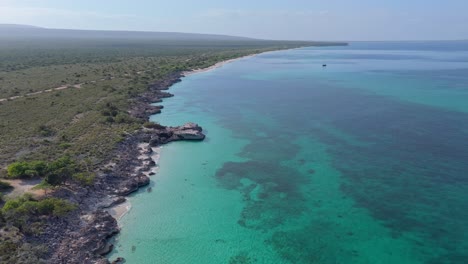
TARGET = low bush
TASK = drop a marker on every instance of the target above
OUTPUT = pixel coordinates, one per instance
(22, 209)
(26, 169)
(86, 179)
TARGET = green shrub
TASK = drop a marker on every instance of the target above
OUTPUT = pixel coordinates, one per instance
(84, 178)
(7, 247)
(15, 203)
(26, 169)
(55, 173)
(45, 131)
(17, 169)
(110, 119)
(25, 207)
(65, 145)
(54, 206)
(123, 118)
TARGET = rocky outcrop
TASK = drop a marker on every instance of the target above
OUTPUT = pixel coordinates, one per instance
(143, 108)
(164, 135)
(155, 136)
(90, 242)
(119, 260)
(132, 185)
(110, 201)
(166, 83)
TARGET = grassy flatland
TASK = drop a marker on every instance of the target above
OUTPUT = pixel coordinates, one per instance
(74, 117)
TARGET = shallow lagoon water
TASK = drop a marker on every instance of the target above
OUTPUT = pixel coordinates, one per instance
(363, 161)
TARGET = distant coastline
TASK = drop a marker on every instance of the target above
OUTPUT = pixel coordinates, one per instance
(224, 62)
(217, 65)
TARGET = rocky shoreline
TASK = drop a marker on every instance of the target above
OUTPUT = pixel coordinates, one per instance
(83, 236)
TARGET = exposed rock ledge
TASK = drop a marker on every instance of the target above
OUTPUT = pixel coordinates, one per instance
(155, 137)
(189, 131)
(84, 244)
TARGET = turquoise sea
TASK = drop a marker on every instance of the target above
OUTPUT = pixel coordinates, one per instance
(362, 161)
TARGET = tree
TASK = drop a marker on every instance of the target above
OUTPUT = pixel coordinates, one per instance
(43, 186)
(60, 171)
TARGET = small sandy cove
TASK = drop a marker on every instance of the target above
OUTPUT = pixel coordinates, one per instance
(217, 65)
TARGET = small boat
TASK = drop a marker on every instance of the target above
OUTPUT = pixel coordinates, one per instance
(324, 65)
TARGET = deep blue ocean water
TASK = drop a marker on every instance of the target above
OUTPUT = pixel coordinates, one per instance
(362, 161)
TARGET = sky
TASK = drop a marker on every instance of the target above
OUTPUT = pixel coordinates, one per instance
(266, 19)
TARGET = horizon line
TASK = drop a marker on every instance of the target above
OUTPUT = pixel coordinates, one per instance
(27, 26)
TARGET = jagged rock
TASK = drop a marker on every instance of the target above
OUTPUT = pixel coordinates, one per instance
(165, 84)
(189, 131)
(106, 249)
(88, 243)
(111, 201)
(164, 95)
(144, 110)
(133, 184)
(143, 180)
(102, 261)
(101, 227)
(149, 150)
(191, 126)
(145, 168)
(118, 260)
(189, 134)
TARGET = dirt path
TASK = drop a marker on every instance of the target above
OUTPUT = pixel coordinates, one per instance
(21, 187)
(63, 87)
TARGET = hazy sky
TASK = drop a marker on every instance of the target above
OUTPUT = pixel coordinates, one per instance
(271, 19)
